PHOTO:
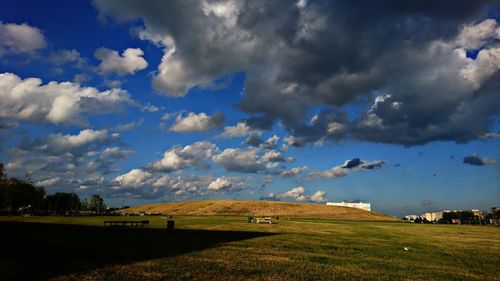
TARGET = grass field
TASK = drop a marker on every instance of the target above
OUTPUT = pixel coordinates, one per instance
(228, 248)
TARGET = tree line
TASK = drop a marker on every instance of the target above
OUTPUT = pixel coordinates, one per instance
(22, 197)
(461, 217)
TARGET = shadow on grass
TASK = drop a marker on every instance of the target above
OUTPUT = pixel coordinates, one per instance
(33, 251)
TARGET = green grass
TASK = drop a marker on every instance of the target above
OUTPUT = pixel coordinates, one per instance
(228, 248)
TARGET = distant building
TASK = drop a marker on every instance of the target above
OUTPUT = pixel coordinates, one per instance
(360, 205)
(411, 217)
(433, 216)
(477, 213)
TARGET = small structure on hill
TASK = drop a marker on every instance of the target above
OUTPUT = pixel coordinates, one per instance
(264, 220)
(360, 205)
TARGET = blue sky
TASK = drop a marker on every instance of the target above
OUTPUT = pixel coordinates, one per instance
(220, 99)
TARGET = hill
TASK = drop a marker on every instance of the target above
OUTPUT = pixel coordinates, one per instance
(259, 208)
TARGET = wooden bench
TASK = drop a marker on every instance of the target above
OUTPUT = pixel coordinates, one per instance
(134, 224)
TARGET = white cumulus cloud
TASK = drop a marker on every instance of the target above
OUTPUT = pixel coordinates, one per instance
(48, 182)
(130, 61)
(239, 130)
(178, 157)
(20, 38)
(67, 142)
(197, 123)
(221, 183)
(297, 194)
(58, 103)
(244, 161)
(134, 178)
(85, 141)
(318, 196)
(474, 36)
(276, 156)
(294, 171)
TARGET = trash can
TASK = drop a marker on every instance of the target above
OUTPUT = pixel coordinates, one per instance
(170, 226)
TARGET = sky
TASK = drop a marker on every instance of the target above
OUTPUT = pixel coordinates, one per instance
(396, 103)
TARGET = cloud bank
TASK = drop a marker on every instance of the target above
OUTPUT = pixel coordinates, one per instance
(58, 103)
(404, 64)
(297, 194)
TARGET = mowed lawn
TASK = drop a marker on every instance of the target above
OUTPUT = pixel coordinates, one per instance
(228, 248)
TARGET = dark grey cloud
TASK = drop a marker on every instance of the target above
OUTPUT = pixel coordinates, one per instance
(359, 164)
(352, 163)
(478, 161)
(253, 140)
(263, 122)
(402, 63)
(473, 160)
(6, 124)
(373, 165)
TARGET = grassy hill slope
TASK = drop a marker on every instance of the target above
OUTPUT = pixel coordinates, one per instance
(259, 208)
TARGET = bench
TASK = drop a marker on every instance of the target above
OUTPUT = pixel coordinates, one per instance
(134, 224)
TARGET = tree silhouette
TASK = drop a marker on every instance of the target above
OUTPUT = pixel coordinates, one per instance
(22, 197)
(96, 204)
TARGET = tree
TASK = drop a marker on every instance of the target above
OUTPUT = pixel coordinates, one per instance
(3, 176)
(19, 196)
(96, 204)
(22, 196)
(84, 204)
(62, 203)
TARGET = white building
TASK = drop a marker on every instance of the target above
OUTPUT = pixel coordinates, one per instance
(360, 205)
(411, 217)
(433, 216)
